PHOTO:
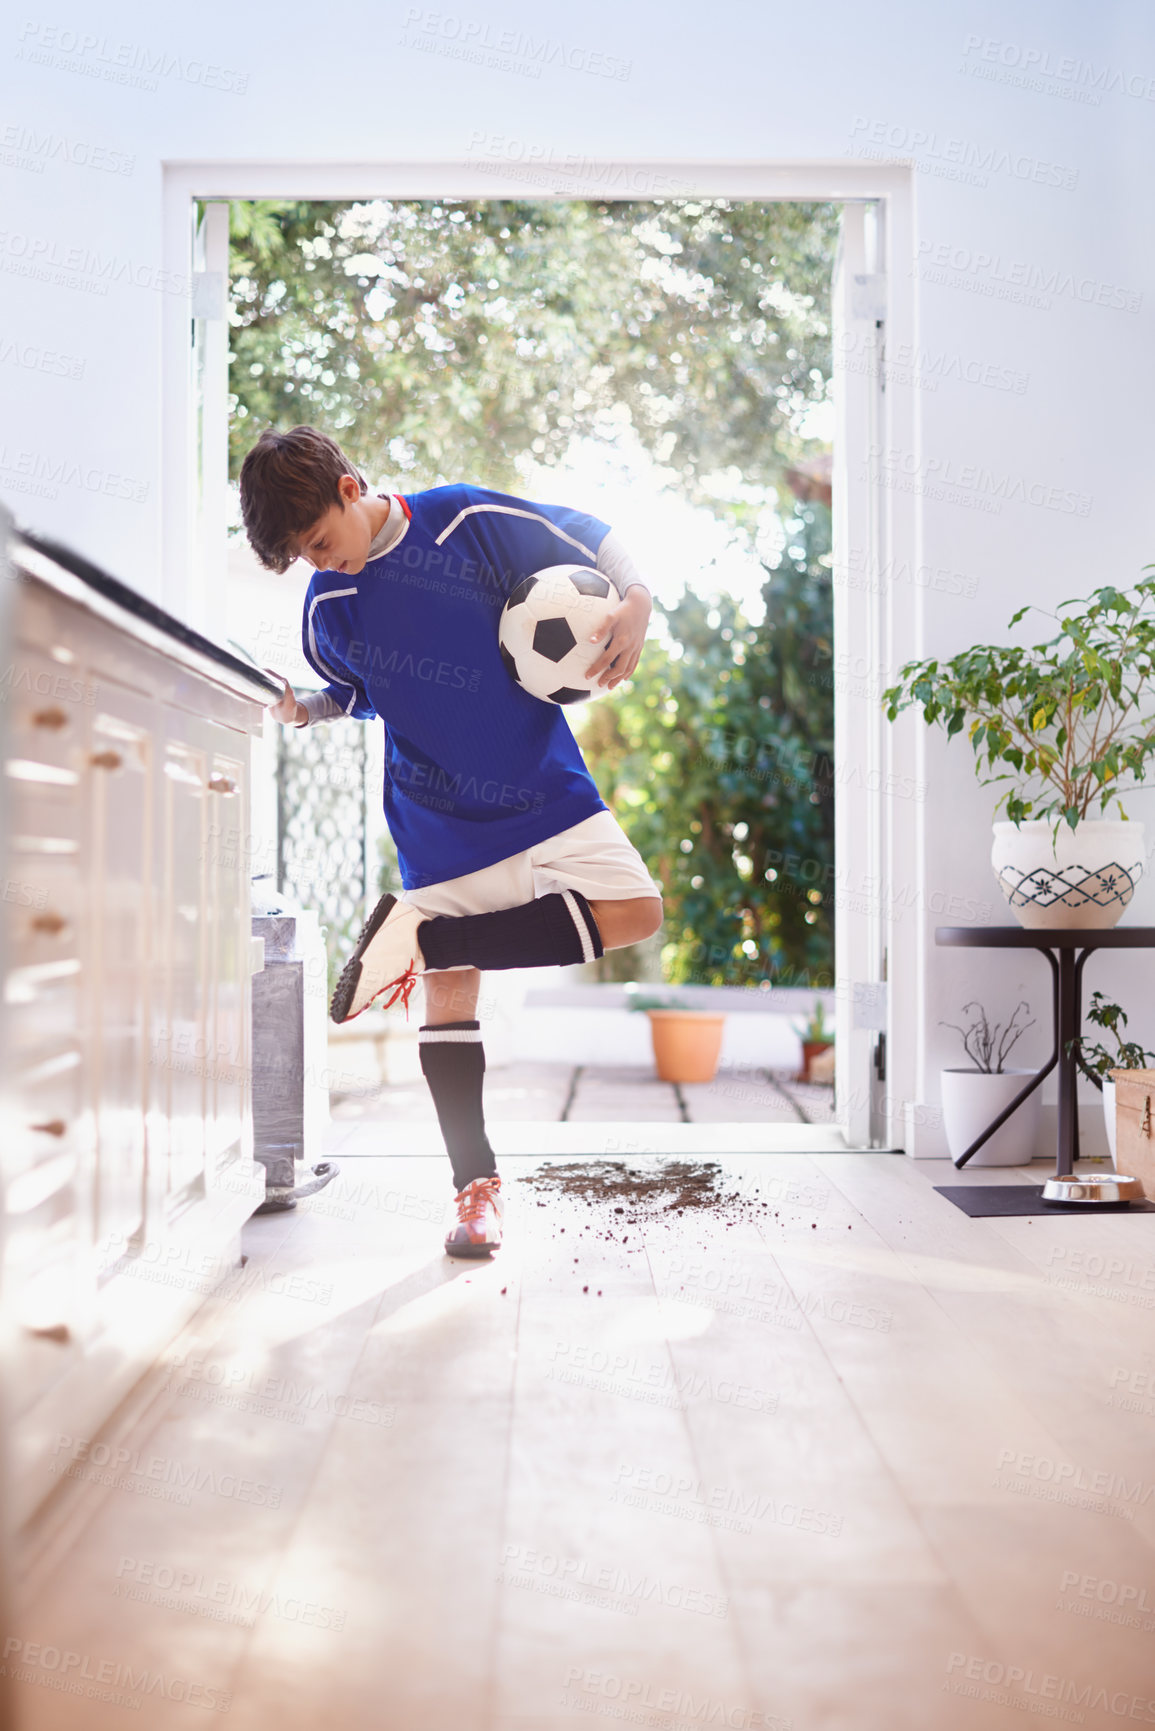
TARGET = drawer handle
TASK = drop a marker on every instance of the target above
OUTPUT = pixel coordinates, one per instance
(222, 784)
(53, 718)
(54, 1127)
(1145, 1126)
(50, 924)
(58, 1331)
(106, 760)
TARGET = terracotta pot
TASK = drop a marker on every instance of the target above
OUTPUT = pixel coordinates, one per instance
(810, 1051)
(686, 1043)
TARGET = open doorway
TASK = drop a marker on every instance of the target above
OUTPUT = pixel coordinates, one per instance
(679, 352)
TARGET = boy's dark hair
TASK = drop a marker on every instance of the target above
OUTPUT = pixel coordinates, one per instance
(288, 481)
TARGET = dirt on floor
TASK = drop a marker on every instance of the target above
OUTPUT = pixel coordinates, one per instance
(628, 1193)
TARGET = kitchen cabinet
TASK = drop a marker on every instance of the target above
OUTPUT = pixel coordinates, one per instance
(125, 1068)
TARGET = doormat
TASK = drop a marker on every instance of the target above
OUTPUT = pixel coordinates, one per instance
(982, 1200)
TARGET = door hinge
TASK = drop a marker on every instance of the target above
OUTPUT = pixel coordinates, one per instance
(868, 296)
(210, 299)
(868, 1006)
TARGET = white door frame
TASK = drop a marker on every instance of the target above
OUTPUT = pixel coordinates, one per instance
(878, 811)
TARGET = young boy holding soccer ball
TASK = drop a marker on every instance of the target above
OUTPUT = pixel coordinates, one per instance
(509, 856)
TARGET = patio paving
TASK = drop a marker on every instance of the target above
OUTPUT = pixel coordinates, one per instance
(604, 1093)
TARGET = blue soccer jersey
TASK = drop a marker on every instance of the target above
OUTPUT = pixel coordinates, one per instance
(475, 768)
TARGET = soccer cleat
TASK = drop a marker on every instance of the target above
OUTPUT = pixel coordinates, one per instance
(480, 1213)
(387, 958)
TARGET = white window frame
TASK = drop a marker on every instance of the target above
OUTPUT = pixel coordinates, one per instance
(879, 843)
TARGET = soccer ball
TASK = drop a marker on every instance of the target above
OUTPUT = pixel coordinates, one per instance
(545, 628)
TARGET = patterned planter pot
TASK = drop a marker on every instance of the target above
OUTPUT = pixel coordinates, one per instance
(1081, 877)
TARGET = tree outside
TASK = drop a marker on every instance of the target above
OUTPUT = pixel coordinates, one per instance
(718, 758)
(456, 340)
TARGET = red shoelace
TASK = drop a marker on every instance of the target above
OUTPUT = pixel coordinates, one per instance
(402, 988)
(472, 1202)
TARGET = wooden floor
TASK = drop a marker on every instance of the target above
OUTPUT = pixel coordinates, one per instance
(856, 1462)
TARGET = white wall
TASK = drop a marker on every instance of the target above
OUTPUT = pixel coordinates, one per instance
(80, 336)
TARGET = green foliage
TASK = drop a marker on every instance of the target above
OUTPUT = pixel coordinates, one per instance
(1096, 1060)
(814, 1029)
(440, 341)
(717, 759)
(640, 1001)
(1064, 720)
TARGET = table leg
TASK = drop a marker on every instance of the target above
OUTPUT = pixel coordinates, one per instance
(1070, 972)
(1083, 954)
(997, 1123)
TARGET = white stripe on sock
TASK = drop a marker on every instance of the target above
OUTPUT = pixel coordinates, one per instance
(448, 1034)
(588, 952)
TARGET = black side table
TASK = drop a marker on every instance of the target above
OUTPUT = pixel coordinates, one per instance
(1067, 951)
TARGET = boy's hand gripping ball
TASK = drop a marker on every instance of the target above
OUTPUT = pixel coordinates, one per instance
(545, 629)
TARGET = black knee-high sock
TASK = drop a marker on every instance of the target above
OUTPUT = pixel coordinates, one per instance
(453, 1062)
(554, 929)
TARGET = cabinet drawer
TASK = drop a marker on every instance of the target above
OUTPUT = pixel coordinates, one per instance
(45, 772)
(38, 1361)
(47, 1108)
(49, 706)
(46, 1313)
(43, 904)
(45, 802)
(41, 1205)
(43, 1009)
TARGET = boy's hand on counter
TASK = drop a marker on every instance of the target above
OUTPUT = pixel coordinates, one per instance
(621, 639)
(286, 709)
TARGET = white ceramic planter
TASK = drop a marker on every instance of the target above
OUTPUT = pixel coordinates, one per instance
(1109, 1114)
(971, 1098)
(1082, 877)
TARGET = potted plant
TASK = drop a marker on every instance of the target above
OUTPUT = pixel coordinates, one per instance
(972, 1097)
(815, 1036)
(1068, 724)
(686, 1042)
(1097, 1060)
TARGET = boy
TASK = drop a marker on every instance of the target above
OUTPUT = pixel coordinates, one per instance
(509, 856)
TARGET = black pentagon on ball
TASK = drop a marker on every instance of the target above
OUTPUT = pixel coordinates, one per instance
(521, 593)
(510, 663)
(553, 639)
(566, 694)
(589, 583)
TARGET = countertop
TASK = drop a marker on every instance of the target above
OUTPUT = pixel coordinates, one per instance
(77, 578)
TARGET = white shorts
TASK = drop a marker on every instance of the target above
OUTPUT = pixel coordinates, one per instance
(594, 856)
